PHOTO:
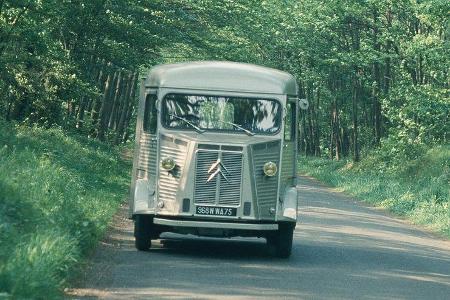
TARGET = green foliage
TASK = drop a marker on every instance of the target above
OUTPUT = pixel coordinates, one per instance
(55, 55)
(375, 73)
(419, 114)
(38, 265)
(57, 195)
(379, 52)
(416, 188)
(349, 58)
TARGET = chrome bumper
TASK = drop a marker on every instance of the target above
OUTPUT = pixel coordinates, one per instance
(219, 225)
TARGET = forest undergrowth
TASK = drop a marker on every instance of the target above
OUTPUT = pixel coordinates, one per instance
(57, 194)
(413, 187)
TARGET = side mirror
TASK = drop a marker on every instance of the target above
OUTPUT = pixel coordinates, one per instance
(303, 104)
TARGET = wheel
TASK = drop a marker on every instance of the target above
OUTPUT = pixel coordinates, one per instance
(281, 240)
(143, 232)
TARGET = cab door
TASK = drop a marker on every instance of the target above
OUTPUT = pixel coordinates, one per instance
(144, 185)
(149, 138)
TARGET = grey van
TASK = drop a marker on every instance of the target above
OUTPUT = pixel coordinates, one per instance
(216, 153)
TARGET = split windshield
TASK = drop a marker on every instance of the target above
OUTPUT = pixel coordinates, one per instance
(221, 113)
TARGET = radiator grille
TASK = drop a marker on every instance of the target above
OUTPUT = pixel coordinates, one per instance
(205, 192)
(230, 191)
(221, 189)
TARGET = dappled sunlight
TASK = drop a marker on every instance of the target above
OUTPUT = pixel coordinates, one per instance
(188, 293)
(443, 279)
(340, 251)
(350, 236)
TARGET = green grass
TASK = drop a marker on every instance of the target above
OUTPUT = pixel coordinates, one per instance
(417, 189)
(57, 194)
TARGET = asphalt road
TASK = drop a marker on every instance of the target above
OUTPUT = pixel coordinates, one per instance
(342, 250)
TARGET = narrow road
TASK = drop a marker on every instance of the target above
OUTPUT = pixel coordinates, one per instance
(342, 250)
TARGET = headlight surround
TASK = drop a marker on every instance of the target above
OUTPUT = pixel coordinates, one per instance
(270, 169)
(168, 164)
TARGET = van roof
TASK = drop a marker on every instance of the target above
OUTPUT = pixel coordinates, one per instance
(222, 76)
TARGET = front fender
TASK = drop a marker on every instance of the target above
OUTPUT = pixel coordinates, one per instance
(143, 196)
(288, 211)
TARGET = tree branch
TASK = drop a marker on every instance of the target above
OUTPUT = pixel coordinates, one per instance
(5, 39)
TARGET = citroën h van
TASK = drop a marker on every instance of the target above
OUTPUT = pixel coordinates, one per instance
(216, 153)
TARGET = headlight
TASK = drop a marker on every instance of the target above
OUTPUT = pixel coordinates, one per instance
(270, 168)
(168, 164)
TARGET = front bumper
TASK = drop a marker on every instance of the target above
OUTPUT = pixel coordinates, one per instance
(215, 225)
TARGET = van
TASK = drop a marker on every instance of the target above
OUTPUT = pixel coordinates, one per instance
(216, 153)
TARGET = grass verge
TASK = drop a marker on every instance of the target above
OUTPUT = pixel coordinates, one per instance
(57, 194)
(417, 189)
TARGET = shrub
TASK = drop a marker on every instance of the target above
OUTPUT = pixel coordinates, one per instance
(57, 194)
(411, 180)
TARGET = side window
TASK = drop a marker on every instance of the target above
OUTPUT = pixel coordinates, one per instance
(289, 122)
(150, 114)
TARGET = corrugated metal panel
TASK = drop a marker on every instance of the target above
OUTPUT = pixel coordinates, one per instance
(218, 191)
(287, 166)
(147, 154)
(266, 187)
(230, 191)
(205, 192)
(169, 181)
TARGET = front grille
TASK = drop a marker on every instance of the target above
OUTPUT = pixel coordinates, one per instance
(230, 191)
(224, 188)
(205, 192)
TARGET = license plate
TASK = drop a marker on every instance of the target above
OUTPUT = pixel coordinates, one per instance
(216, 211)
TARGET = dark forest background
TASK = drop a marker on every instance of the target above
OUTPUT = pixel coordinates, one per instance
(372, 70)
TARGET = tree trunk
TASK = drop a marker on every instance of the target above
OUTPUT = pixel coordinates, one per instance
(127, 110)
(331, 144)
(117, 95)
(377, 86)
(303, 139)
(316, 125)
(100, 84)
(123, 110)
(106, 105)
(336, 129)
(122, 103)
(345, 142)
(131, 113)
(310, 135)
(355, 95)
(376, 104)
(81, 110)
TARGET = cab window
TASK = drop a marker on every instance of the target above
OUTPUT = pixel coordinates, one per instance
(221, 113)
(150, 114)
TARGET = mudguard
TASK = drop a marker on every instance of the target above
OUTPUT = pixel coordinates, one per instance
(143, 196)
(289, 205)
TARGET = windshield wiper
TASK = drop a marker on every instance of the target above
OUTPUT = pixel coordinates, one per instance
(238, 127)
(198, 129)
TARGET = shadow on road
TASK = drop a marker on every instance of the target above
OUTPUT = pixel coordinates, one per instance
(341, 251)
(235, 249)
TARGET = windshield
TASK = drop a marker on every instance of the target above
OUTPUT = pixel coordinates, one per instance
(247, 115)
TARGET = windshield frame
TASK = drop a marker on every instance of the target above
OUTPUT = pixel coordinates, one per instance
(255, 97)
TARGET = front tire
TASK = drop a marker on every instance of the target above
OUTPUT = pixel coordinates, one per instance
(142, 232)
(282, 239)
